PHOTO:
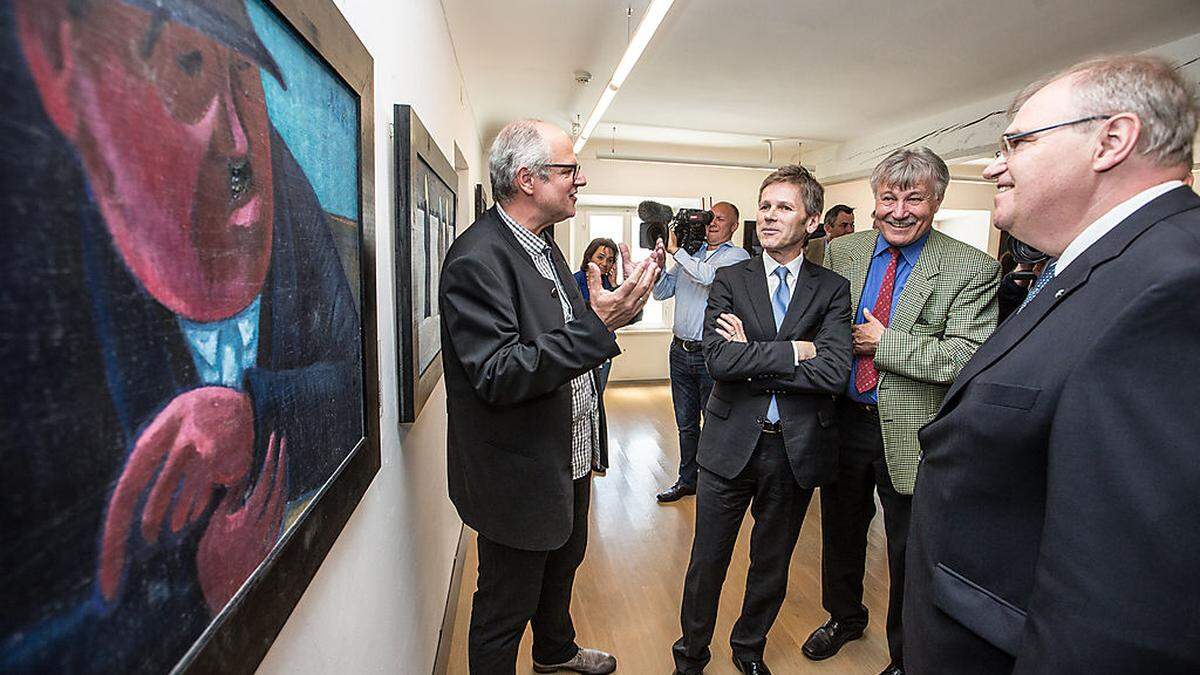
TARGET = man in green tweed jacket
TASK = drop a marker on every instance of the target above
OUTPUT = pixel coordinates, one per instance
(923, 303)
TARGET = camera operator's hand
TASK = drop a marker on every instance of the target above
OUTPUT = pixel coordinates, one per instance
(617, 308)
(866, 335)
(672, 242)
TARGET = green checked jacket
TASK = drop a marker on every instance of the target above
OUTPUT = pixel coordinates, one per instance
(946, 310)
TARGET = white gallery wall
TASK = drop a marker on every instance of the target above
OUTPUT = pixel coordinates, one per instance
(376, 604)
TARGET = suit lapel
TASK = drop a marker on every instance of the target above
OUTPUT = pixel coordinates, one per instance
(919, 285)
(802, 295)
(860, 263)
(755, 277)
(1011, 332)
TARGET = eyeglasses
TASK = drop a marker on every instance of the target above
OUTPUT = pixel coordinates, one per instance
(1009, 142)
(573, 167)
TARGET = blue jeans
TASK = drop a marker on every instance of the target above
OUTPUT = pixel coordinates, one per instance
(690, 387)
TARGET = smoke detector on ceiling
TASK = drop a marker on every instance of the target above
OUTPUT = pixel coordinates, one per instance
(583, 76)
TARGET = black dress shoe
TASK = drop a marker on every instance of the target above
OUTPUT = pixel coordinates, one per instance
(675, 493)
(893, 669)
(757, 667)
(828, 639)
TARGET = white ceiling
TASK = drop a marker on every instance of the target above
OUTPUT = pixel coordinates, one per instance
(755, 69)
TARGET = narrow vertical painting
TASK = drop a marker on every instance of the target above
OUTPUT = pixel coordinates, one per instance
(426, 201)
(181, 332)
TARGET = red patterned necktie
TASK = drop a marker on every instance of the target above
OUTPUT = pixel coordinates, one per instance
(865, 375)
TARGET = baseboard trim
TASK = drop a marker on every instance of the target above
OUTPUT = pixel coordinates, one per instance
(441, 661)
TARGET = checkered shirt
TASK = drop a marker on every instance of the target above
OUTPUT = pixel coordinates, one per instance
(585, 421)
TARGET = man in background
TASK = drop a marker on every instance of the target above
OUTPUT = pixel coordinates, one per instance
(924, 302)
(688, 282)
(838, 222)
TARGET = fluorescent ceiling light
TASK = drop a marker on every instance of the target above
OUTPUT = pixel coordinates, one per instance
(637, 44)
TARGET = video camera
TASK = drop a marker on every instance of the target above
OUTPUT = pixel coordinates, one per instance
(690, 225)
(1024, 254)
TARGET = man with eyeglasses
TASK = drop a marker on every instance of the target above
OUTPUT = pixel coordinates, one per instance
(1054, 522)
(520, 349)
(688, 282)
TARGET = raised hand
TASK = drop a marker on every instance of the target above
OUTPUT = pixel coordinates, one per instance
(242, 532)
(202, 440)
(617, 308)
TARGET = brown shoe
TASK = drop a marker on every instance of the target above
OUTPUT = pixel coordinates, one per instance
(590, 661)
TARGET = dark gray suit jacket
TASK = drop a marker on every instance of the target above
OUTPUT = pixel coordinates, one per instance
(747, 374)
(1054, 520)
(509, 359)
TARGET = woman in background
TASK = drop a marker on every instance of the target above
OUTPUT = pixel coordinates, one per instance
(603, 252)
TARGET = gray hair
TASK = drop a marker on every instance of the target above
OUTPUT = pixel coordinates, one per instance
(1147, 86)
(907, 168)
(519, 144)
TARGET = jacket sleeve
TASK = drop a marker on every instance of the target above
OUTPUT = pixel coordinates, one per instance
(829, 371)
(1114, 588)
(481, 320)
(740, 361)
(938, 360)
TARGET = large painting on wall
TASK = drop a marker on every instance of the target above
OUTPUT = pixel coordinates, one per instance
(426, 223)
(187, 337)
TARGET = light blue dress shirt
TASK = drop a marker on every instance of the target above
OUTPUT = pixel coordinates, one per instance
(688, 282)
(224, 350)
(879, 262)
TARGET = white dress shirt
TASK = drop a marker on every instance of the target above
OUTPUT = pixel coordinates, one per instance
(1108, 221)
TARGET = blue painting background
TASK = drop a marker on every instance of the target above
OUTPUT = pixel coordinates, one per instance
(313, 100)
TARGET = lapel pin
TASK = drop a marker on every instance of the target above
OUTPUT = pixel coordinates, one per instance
(1059, 293)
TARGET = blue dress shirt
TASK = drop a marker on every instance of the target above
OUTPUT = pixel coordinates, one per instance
(690, 287)
(879, 262)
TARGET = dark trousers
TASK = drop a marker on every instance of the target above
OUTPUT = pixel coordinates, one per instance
(847, 506)
(690, 387)
(516, 587)
(777, 503)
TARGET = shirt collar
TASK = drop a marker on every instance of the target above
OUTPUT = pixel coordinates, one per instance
(910, 252)
(704, 252)
(532, 243)
(793, 267)
(1105, 223)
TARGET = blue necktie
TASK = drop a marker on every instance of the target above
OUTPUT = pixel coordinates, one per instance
(1041, 282)
(779, 304)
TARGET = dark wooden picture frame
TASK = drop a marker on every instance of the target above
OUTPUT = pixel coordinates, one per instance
(418, 159)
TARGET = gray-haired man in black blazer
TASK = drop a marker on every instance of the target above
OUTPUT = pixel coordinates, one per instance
(520, 346)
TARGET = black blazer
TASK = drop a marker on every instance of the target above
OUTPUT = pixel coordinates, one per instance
(747, 374)
(509, 360)
(1054, 522)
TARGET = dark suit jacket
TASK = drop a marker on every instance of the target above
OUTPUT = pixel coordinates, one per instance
(747, 374)
(1055, 519)
(509, 359)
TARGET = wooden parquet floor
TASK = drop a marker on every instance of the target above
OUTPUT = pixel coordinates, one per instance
(627, 591)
